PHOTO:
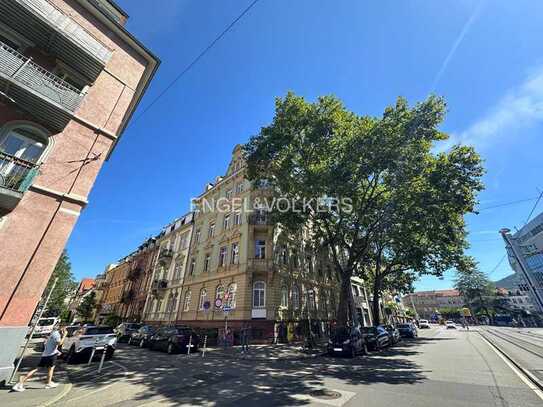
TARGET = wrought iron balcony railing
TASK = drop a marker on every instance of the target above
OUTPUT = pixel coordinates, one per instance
(21, 69)
(16, 174)
(259, 219)
(68, 27)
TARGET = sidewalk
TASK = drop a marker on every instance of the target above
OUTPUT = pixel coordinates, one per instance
(35, 393)
(267, 352)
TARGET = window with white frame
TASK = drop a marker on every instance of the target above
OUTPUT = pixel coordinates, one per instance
(186, 306)
(203, 298)
(235, 253)
(198, 236)
(211, 231)
(228, 193)
(231, 292)
(226, 222)
(284, 296)
(240, 187)
(260, 249)
(259, 294)
(237, 218)
(207, 262)
(192, 266)
(311, 299)
(295, 297)
(222, 256)
(178, 268)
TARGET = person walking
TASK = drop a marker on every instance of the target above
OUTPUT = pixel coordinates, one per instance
(48, 360)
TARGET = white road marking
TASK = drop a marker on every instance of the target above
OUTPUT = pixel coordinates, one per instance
(521, 375)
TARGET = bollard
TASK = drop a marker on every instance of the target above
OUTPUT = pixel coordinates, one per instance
(92, 355)
(205, 346)
(102, 359)
(189, 345)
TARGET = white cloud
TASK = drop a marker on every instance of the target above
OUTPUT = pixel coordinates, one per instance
(521, 107)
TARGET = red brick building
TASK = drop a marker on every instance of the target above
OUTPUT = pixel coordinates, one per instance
(71, 76)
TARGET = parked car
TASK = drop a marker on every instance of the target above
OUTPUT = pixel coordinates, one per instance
(44, 327)
(407, 330)
(376, 337)
(125, 330)
(450, 325)
(424, 324)
(142, 336)
(347, 341)
(174, 339)
(393, 332)
(80, 342)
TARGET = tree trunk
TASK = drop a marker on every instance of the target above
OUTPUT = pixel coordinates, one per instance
(375, 303)
(346, 310)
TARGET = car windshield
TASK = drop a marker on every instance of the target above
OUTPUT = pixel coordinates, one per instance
(341, 333)
(99, 330)
(404, 326)
(46, 322)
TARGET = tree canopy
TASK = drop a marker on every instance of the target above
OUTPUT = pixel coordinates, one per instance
(476, 288)
(370, 189)
(85, 310)
(64, 287)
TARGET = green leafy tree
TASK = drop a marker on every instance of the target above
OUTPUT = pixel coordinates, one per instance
(378, 180)
(64, 288)
(86, 308)
(478, 291)
(450, 312)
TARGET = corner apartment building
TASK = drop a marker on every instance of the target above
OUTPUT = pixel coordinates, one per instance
(243, 270)
(71, 76)
(168, 271)
(429, 303)
(525, 253)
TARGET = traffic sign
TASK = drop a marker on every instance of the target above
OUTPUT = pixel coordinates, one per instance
(218, 303)
(207, 304)
(226, 308)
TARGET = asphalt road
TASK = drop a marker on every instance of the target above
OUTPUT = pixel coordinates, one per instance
(440, 368)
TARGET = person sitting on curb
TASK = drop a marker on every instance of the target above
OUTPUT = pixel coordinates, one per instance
(48, 360)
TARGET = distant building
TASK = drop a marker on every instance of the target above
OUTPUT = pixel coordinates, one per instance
(168, 271)
(428, 303)
(525, 253)
(86, 286)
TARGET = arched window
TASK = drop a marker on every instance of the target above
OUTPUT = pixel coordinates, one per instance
(295, 297)
(186, 306)
(284, 296)
(259, 294)
(203, 298)
(231, 300)
(22, 146)
(219, 292)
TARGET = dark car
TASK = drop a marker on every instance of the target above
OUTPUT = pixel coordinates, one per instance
(125, 330)
(376, 337)
(393, 332)
(407, 330)
(174, 339)
(141, 336)
(346, 341)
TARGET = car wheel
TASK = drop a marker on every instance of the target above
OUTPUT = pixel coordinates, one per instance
(109, 353)
(142, 343)
(171, 348)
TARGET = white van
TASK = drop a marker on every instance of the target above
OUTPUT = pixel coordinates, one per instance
(45, 326)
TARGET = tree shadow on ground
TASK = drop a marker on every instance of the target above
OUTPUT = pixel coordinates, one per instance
(195, 380)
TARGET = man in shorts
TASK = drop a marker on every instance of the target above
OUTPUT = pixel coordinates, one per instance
(48, 360)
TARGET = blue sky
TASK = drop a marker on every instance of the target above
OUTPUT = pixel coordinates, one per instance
(485, 58)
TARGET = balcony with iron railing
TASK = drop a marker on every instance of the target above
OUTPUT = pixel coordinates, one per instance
(165, 256)
(57, 33)
(16, 175)
(36, 89)
(158, 286)
(260, 219)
